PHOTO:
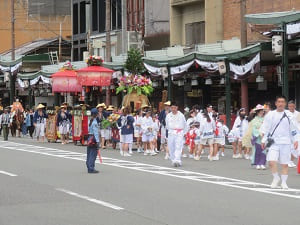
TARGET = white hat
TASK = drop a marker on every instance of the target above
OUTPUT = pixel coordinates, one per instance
(187, 109)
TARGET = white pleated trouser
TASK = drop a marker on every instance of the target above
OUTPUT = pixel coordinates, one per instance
(175, 145)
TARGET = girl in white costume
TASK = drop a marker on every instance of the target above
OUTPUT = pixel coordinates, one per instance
(138, 130)
(207, 130)
(147, 134)
(239, 129)
(219, 140)
(155, 130)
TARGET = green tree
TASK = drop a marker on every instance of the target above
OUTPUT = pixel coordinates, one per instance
(134, 63)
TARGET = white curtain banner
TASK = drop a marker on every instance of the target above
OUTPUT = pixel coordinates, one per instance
(208, 66)
(11, 69)
(181, 68)
(293, 28)
(21, 83)
(35, 80)
(152, 69)
(44, 79)
(240, 70)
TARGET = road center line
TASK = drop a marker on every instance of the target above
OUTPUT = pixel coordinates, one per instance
(8, 174)
(96, 201)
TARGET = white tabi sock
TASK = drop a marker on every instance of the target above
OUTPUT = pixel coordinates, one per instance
(284, 178)
(130, 147)
(276, 176)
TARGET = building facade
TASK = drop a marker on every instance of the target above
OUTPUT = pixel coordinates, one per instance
(89, 20)
(195, 22)
(232, 16)
(157, 24)
(34, 19)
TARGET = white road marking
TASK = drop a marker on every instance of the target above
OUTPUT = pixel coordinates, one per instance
(99, 202)
(165, 171)
(8, 174)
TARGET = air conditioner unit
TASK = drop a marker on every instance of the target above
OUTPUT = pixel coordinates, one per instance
(132, 36)
(86, 55)
(134, 39)
(133, 45)
(277, 44)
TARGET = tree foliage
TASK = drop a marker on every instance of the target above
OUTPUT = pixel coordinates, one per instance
(134, 63)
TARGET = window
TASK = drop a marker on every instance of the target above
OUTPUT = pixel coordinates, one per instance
(195, 33)
(75, 54)
(75, 19)
(119, 14)
(102, 11)
(113, 14)
(82, 18)
(95, 15)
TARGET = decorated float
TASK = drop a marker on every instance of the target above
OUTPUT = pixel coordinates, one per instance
(137, 88)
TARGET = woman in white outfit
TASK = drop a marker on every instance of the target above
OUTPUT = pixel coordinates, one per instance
(239, 129)
(138, 130)
(207, 130)
(155, 130)
(147, 134)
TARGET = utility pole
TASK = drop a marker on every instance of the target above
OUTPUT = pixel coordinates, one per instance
(108, 45)
(285, 63)
(59, 41)
(124, 27)
(244, 83)
(12, 78)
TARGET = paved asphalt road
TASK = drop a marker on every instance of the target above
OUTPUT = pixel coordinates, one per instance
(42, 186)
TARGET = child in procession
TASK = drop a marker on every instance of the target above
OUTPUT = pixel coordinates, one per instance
(219, 140)
(207, 130)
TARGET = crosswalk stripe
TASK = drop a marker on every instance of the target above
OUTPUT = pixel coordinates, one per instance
(165, 171)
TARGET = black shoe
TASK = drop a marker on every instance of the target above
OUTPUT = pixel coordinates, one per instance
(93, 171)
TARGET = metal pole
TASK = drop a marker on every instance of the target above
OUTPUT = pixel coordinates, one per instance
(72, 32)
(88, 27)
(228, 95)
(170, 88)
(108, 45)
(12, 77)
(59, 41)
(285, 63)
(244, 83)
(124, 27)
(108, 28)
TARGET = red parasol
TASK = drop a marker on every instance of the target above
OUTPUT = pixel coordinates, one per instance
(94, 76)
(65, 81)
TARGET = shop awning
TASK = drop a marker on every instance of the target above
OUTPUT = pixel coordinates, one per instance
(94, 76)
(65, 81)
(273, 18)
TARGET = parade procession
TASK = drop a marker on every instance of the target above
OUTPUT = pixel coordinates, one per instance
(149, 112)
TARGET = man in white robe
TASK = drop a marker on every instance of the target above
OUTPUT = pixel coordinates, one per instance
(177, 128)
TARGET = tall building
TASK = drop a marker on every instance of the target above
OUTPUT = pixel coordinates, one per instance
(34, 19)
(195, 22)
(89, 20)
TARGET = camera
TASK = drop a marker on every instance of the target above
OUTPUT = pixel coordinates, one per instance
(270, 142)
